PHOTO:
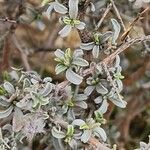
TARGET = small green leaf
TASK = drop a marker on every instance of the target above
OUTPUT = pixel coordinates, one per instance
(70, 130)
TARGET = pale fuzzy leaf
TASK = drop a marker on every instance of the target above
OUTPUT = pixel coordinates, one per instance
(95, 51)
(47, 79)
(119, 85)
(17, 120)
(116, 28)
(98, 100)
(60, 8)
(65, 31)
(73, 77)
(70, 114)
(59, 53)
(88, 90)
(78, 53)
(60, 68)
(117, 61)
(100, 133)
(103, 108)
(82, 104)
(73, 8)
(86, 136)
(80, 26)
(101, 89)
(3, 102)
(73, 144)
(92, 7)
(87, 46)
(6, 113)
(80, 62)
(64, 109)
(118, 101)
(9, 87)
(80, 97)
(57, 134)
(78, 122)
(106, 36)
(47, 89)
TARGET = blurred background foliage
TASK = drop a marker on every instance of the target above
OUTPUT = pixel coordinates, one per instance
(37, 39)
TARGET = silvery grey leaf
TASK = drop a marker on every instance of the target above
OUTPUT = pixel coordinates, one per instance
(78, 122)
(60, 8)
(47, 89)
(26, 83)
(57, 134)
(14, 75)
(106, 36)
(100, 133)
(6, 113)
(3, 102)
(81, 97)
(92, 7)
(103, 108)
(95, 51)
(143, 145)
(80, 26)
(118, 101)
(73, 144)
(116, 28)
(47, 79)
(70, 114)
(73, 77)
(101, 89)
(17, 120)
(49, 10)
(60, 68)
(98, 100)
(88, 90)
(117, 61)
(82, 104)
(9, 87)
(86, 136)
(80, 62)
(73, 8)
(78, 53)
(64, 109)
(119, 85)
(57, 143)
(87, 46)
(65, 31)
(59, 53)
(25, 103)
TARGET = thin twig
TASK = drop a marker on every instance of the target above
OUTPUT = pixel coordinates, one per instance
(103, 16)
(8, 20)
(23, 55)
(118, 14)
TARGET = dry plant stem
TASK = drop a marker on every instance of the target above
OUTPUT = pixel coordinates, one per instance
(103, 16)
(23, 55)
(6, 53)
(118, 14)
(8, 20)
(123, 47)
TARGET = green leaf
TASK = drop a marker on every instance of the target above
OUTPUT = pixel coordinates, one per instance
(60, 68)
(73, 77)
(70, 130)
